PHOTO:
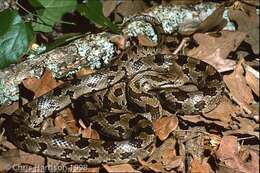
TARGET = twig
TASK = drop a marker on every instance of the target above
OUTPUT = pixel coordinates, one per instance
(182, 44)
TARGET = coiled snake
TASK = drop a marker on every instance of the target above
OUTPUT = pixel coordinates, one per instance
(120, 101)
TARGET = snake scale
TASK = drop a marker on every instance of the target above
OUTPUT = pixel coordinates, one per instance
(120, 101)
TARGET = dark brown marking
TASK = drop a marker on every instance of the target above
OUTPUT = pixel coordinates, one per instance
(201, 66)
(76, 81)
(21, 137)
(66, 152)
(113, 118)
(92, 85)
(181, 95)
(124, 57)
(82, 143)
(115, 105)
(213, 77)
(43, 146)
(186, 71)
(136, 142)
(35, 134)
(70, 93)
(113, 68)
(118, 92)
(121, 131)
(27, 108)
(57, 91)
(125, 155)
(109, 146)
(159, 59)
(96, 126)
(93, 154)
(181, 60)
(209, 91)
(148, 129)
(137, 65)
(134, 121)
(200, 105)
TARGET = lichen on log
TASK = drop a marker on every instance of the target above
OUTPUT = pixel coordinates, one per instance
(96, 50)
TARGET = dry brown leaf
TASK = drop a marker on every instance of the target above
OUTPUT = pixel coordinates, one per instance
(20, 161)
(228, 153)
(221, 115)
(214, 50)
(145, 41)
(252, 79)
(119, 40)
(43, 85)
(108, 7)
(251, 2)
(165, 158)
(66, 120)
(198, 166)
(223, 111)
(84, 71)
(127, 8)
(9, 109)
(246, 126)
(238, 87)
(90, 133)
(214, 21)
(156, 167)
(164, 126)
(247, 23)
(120, 168)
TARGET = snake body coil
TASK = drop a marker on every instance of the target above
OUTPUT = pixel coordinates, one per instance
(120, 101)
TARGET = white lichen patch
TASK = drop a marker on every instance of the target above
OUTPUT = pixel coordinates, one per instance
(230, 26)
(137, 28)
(97, 50)
(172, 17)
(9, 90)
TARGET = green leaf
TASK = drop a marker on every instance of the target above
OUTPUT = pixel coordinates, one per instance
(51, 12)
(15, 37)
(93, 11)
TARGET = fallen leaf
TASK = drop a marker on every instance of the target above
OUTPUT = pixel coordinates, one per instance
(223, 111)
(165, 158)
(19, 161)
(127, 8)
(119, 40)
(247, 23)
(198, 166)
(145, 41)
(243, 126)
(228, 153)
(238, 87)
(164, 126)
(252, 79)
(108, 7)
(66, 120)
(84, 72)
(212, 21)
(251, 2)
(90, 133)
(9, 109)
(120, 168)
(156, 167)
(41, 86)
(214, 50)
